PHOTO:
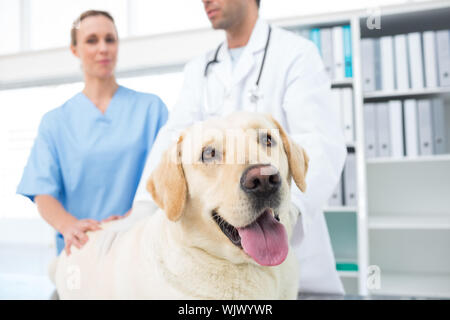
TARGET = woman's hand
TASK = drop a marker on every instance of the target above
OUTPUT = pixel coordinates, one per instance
(74, 233)
(117, 217)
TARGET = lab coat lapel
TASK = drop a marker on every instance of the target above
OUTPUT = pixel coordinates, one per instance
(223, 69)
(247, 61)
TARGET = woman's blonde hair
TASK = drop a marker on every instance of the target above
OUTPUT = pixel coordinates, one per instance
(84, 15)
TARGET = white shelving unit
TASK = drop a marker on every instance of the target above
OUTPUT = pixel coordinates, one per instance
(402, 220)
(421, 285)
(342, 83)
(391, 221)
(408, 209)
(407, 160)
(340, 209)
(411, 94)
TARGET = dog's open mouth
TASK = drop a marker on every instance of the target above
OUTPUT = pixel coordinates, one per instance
(265, 239)
(230, 231)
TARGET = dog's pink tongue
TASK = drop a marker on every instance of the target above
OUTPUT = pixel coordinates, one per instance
(265, 240)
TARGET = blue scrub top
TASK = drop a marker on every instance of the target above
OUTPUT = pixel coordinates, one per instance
(92, 162)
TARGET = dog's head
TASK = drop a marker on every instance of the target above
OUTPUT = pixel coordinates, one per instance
(226, 184)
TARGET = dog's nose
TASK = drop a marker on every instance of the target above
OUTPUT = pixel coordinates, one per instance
(261, 180)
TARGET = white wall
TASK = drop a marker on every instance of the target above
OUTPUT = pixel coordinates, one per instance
(150, 32)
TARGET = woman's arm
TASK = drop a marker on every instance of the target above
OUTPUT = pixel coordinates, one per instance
(72, 229)
(53, 212)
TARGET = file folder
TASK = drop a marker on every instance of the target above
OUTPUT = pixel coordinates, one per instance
(368, 64)
(347, 104)
(303, 33)
(401, 62)
(383, 126)
(377, 62)
(350, 192)
(336, 197)
(326, 43)
(411, 128)
(370, 130)
(439, 127)
(443, 48)
(347, 35)
(387, 63)
(430, 59)
(337, 100)
(425, 127)
(396, 128)
(338, 53)
(415, 60)
(314, 36)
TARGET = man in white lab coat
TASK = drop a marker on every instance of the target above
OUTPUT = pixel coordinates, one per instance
(295, 89)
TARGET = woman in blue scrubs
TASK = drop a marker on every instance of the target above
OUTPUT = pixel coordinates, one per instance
(90, 152)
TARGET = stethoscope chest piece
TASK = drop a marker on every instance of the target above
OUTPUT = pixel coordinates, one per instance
(255, 94)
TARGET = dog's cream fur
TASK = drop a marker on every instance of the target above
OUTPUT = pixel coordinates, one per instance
(179, 252)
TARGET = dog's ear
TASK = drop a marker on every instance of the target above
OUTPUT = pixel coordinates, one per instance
(167, 184)
(297, 157)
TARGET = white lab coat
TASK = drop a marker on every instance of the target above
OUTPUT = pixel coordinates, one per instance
(296, 91)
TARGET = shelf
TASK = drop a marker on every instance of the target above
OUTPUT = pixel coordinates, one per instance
(409, 188)
(350, 145)
(342, 83)
(405, 94)
(348, 274)
(399, 21)
(419, 159)
(414, 284)
(410, 222)
(340, 209)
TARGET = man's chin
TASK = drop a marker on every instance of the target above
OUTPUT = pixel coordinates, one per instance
(217, 24)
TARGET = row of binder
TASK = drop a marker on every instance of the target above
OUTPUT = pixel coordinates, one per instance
(343, 100)
(335, 47)
(405, 128)
(345, 193)
(406, 61)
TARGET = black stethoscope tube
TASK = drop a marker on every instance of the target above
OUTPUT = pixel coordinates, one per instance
(215, 60)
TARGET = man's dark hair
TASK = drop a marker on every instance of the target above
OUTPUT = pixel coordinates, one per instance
(257, 2)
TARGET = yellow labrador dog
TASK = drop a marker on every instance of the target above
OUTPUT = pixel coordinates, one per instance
(222, 230)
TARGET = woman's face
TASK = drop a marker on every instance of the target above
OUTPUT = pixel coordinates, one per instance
(97, 46)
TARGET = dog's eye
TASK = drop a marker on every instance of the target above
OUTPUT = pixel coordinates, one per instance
(266, 140)
(209, 154)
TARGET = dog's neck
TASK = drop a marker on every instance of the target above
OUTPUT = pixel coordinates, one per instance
(192, 270)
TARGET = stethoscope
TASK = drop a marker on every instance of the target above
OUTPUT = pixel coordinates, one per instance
(254, 94)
